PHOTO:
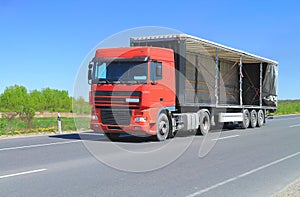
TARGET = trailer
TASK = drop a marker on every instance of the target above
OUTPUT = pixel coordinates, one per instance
(188, 83)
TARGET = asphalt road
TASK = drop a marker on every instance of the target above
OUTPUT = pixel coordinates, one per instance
(252, 162)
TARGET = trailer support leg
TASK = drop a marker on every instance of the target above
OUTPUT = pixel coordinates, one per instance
(217, 77)
(260, 84)
(196, 80)
(241, 81)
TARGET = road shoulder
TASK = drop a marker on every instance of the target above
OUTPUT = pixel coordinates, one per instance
(292, 190)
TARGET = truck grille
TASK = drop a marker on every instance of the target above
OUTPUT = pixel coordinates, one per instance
(117, 98)
(115, 116)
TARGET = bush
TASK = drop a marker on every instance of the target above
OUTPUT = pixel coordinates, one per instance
(288, 107)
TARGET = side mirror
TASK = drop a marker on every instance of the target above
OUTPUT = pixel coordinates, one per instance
(90, 75)
(91, 64)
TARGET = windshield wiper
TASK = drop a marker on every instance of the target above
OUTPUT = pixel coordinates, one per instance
(101, 81)
(120, 81)
(132, 82)
(141, 82)
(117, 81)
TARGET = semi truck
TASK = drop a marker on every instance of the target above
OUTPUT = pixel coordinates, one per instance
(162, 85)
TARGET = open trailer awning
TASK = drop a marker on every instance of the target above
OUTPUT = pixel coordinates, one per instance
(202, 46)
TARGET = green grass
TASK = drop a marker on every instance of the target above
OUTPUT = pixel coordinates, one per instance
(288, 107)
(42, 125)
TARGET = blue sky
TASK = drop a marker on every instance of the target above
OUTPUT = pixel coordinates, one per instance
(43, 43)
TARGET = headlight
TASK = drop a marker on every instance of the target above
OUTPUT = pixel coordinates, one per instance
(94, 117)
(140, 119)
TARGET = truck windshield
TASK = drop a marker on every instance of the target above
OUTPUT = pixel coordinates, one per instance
(120, 72)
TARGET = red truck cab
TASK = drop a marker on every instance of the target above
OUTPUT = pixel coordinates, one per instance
(132, 91)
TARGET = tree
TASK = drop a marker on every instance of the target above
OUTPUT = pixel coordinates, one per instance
(38, 99)
(9, 116)
(15, 99)
(28, 111)
(80, 106)
(56, 100)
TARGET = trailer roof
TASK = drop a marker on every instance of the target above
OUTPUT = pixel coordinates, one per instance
(202, 46)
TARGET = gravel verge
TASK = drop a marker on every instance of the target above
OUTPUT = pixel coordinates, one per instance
(292, 190)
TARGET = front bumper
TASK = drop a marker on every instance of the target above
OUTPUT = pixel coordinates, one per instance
(149, 129)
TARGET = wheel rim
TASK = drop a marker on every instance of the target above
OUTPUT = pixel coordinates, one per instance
(247, 119)
(260, 118)
(205, 123)
(163, 127)
(253, 118)
(204, 126)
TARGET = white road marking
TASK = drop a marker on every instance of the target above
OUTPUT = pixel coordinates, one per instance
(22, 173)
(297, 125)
(243, 175)
(226, 137)
(39, 145)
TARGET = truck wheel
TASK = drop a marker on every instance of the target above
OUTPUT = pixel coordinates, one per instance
(204, 126)
(163, 127)
(113, 136)
(246, 120)
(253, 119)
(260, 118)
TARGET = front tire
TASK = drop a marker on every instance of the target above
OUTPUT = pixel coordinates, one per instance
(163, 127)
(113, 136)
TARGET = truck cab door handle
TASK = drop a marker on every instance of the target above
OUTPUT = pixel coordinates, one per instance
(161, 99)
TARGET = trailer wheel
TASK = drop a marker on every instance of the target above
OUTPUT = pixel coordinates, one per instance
(204, 126)
(163, 127)
(253, 118)
(113, 136)
(260, 118)
(246, 120)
